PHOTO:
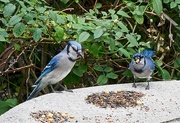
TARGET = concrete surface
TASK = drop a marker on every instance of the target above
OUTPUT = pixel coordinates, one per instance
(161, 104)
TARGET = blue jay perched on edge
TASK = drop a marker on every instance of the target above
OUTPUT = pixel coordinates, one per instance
(142, 66)
(58, 68)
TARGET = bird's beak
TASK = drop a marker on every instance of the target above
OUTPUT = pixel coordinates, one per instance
(80, 55)
(137, 61)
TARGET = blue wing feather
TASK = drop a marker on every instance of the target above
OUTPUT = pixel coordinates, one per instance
(49, 67)
(148, 52)
(150, 62)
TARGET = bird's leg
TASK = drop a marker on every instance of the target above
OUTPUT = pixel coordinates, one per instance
(147, 87)
(65, 89)
(134, 83)
(54, 91)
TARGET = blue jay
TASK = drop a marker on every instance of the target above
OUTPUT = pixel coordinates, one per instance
(58, 67)
(142, 66)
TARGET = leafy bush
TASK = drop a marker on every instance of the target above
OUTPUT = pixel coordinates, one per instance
(6, 105)
(32, 31)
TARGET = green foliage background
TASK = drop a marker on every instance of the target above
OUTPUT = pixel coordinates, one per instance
(33, 31)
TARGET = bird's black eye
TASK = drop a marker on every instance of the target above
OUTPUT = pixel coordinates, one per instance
(74, 48)
(141, 56)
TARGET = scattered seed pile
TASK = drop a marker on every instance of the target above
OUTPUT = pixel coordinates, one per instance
(50, 116)
(115, 99)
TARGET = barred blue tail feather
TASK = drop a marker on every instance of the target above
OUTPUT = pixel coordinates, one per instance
(148, 52)
(34, 92)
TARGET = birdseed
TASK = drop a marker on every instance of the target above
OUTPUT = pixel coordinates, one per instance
(51, 116)
(115, 99)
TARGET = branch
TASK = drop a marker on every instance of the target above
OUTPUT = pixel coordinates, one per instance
(82, 7)
(16, 69)
(169, 19)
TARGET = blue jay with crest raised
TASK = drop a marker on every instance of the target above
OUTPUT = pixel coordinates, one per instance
(142, 66)
(58, 67)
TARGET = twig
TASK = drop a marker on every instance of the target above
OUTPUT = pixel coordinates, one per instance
(170, 34)
(169, 19)
(5, 61)
(82, 7)
(67, 9)
(95, 4)
(16, 69)
(10, 66)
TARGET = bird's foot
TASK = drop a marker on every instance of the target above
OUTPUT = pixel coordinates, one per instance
(134, 85)
(57, 91)
(68, 90)
(65, 89)
(147, 87)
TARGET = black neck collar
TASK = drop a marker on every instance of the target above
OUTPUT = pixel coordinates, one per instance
(72, 60)
(141, 70)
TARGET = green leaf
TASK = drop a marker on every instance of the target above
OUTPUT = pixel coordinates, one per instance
(5, 1)
(69, 17)
(108, 69)
(124, 52)
(157, 6)
(98, 68)
(2, 48)
(102, 79)
(178, 8)
(95, 49)
(166, 1)
(98, 5)
(64, 1)
(112, 44)
(59, 34)
(53, 15)
(17, 47)
(139, 19)
(3, 107)
(132, 40)
(14, 20)
(112, 11)
(3, 32)
(9, 10)
(127, 73)
(118, 34)
(12, 102)
(41, 9)
(71, 78)
(173, 5)
(2, 38)
(177, 62)
(98, 33)
(158, 64)
(166, 75)
(177, 1)
(122, 13)
(37, 34)
(112, 75)
(80, 70)
(77, 71)
(61, 19)
(19, 29)
(114, 17)
(83, 36)
(123, 27)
